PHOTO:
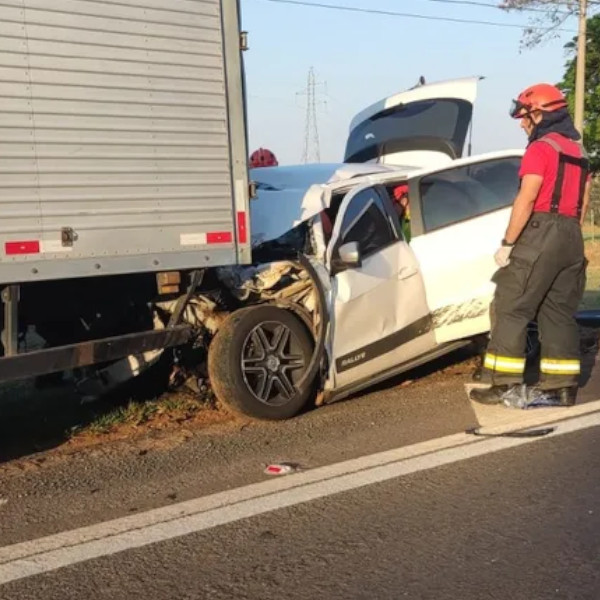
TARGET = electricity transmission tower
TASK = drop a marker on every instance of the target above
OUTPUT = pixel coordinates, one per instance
(312, 151)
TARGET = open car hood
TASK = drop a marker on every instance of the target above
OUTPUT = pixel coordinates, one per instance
(423, 126)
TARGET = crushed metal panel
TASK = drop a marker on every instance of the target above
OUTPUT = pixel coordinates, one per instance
(199, 312)
(278, 282)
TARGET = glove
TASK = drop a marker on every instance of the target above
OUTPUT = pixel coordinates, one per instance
(502, 256)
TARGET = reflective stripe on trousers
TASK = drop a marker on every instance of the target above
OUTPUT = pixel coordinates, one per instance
(553, 366)
(504, 364)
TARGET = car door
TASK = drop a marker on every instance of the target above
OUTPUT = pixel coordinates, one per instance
(461, 215)
(426, 125)
(379, 313)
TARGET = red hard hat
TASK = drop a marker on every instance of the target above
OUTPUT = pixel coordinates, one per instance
(400, 190)
(263, 158)
(542, 96)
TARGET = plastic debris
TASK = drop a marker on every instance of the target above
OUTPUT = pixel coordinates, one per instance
(539, 398)
(524, 397)
(516, 397)
(528, 433)
(281, 469)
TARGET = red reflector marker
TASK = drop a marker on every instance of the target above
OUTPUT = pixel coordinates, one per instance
(219, 237)
(242, 231)
(26, 247)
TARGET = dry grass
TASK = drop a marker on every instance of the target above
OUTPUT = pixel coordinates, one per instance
(169, 408)
(591, 232)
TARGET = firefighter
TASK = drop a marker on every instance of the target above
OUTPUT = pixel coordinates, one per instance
(541, 258)
(402, 204)
(263, 158)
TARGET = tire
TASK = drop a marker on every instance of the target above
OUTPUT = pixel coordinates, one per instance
(256, 359)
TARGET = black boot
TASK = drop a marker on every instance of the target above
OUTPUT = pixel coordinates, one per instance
(567, 396)
(491, 395)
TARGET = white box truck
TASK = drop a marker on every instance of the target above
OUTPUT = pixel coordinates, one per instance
(123, 174)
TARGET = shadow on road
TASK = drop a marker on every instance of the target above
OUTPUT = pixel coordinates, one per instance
(34, 420)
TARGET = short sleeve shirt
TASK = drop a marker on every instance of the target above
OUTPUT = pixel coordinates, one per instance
(542, 159)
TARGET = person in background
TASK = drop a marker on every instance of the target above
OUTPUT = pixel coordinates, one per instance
(263, 158)
(402, 204)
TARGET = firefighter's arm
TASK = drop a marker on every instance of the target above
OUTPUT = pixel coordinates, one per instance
(523, 206)
(586, 200)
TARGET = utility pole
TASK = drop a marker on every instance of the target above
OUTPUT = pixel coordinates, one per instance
(581, 60)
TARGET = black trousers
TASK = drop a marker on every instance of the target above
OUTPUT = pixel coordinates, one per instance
(545, 280)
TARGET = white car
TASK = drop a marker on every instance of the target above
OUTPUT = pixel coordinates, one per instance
(338, 299)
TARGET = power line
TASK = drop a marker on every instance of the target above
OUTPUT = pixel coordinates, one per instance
(497, 7)
(389, 13)
(519, 9)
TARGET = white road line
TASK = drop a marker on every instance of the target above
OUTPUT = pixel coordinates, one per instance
(103, 539)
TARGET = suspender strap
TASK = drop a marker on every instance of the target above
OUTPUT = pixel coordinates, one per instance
(582, 183)
(563, 159)
(558, 186)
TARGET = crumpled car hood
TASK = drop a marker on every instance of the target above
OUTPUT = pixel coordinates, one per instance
(288, 196)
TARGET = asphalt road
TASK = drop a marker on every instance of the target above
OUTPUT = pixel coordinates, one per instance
(518, 522)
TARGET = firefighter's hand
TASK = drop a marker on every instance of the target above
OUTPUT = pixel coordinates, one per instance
(502, 256)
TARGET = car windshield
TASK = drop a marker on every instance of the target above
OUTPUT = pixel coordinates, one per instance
(425, 125)
(284, 195)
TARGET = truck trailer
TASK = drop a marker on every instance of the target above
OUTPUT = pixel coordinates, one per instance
(123, 178)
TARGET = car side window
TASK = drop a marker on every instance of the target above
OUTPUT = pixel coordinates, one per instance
(365, 221)
(466, 192)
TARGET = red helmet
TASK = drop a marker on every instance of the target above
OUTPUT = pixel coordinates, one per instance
(263, 158)
(399, 191)
(542, 96)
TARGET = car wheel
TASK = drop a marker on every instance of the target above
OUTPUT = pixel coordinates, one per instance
(256, 360)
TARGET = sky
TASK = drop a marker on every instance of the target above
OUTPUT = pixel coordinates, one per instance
(360, 58)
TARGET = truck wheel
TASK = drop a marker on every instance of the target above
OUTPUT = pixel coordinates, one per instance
(256, 360)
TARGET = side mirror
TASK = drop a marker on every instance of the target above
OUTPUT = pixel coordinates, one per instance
(350, 254)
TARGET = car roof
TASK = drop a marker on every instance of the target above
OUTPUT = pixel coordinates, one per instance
(290, 195)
